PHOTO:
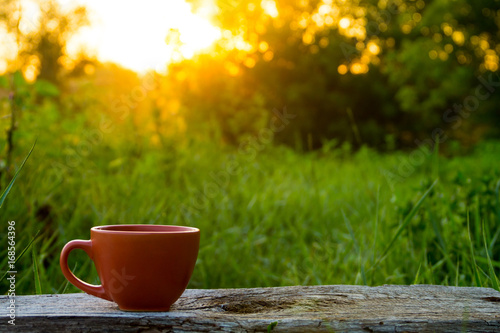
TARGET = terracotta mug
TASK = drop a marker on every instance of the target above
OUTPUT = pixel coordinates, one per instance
(141, 267)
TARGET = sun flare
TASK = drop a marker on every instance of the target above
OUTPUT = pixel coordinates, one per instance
(142, 35)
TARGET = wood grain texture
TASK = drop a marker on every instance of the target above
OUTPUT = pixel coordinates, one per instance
(339, 308)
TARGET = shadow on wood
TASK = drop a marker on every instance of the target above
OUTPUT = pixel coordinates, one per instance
(419, 308)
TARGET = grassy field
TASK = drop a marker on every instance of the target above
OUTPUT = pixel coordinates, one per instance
(282, 217)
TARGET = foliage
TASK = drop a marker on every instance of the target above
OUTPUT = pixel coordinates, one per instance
(282, 213)
(40, 43)
(399, 66)
(310, 203)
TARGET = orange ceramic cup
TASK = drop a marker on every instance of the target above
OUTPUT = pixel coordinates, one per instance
(141, 267)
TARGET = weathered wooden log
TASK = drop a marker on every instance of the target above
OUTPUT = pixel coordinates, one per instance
(342, 308)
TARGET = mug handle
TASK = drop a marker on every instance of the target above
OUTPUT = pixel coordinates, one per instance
(85, 245)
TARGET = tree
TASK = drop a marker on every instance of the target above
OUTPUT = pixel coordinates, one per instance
(39, 46)
(40, 43)
(360, 70)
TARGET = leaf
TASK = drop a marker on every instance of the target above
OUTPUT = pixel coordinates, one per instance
(116, 163)
(271, 326)
(9, 187)
(4, 82)
(19, 81)
(46, 88)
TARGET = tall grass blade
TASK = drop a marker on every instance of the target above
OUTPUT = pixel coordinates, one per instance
(435, 162)
(477, 220)
(474, 264)
(64, 286)
(482, 260)
(405, 223)
(375, 236)
(351, 232)
(494, 239)
(417, 276)
(363, 273)
(38, 285)
(441, 243)
(436, 228)
(497, 194)
(493, 276)
(356, 247)
(9, 187)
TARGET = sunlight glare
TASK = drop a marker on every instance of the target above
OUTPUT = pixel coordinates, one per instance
(344, 23)
(269, 7)
(133, 34)
(3, 66)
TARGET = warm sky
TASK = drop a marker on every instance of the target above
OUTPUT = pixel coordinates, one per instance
(133, 33)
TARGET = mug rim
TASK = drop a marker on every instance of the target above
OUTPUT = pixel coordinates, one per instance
(174, 229)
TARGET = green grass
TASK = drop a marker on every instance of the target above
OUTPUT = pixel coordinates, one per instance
(287, 218)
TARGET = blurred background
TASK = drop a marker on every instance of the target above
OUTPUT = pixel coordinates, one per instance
(323, 142)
